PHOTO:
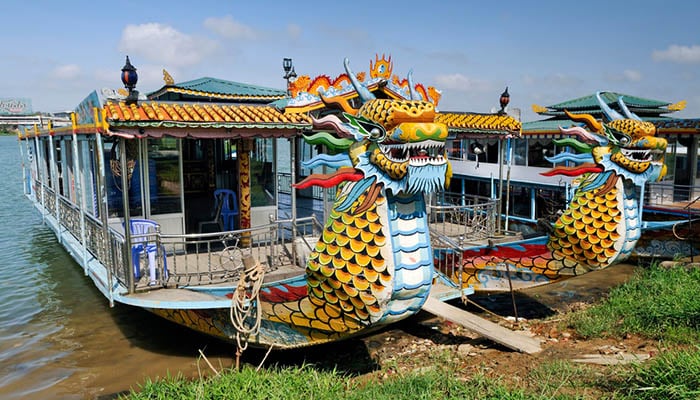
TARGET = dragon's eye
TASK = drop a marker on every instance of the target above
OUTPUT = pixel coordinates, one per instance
(373, 132)
(618, 138)
(366, 128)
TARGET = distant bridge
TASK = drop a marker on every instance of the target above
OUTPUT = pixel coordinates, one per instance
(40, 120)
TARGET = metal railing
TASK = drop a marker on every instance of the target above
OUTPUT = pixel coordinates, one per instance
(196, 259)
(668, 194)
(188, 259)
(468, 217)
(456, 221)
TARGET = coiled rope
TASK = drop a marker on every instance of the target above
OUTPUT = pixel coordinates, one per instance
(245, 312)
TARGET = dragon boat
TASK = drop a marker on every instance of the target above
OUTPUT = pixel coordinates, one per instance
(134, 186)
(602, 222)
(170, 202)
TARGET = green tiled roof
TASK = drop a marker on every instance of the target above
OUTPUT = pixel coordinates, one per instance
(589, 105)
(546, 125)
(213, 88)
(664, 124)
(220, 86)
(590, 102)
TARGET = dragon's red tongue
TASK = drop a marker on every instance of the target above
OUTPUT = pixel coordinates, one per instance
(573, 171)
(327, 181)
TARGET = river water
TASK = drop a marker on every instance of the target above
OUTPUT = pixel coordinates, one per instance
(59, 339)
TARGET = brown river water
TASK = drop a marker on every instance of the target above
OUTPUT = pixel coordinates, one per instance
(59, 339)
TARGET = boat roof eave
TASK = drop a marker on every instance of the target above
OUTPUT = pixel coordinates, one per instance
(248, 132)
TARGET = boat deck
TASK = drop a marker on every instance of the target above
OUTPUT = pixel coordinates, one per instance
(220, 268)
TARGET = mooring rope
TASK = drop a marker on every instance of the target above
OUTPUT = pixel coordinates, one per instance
(245, 312)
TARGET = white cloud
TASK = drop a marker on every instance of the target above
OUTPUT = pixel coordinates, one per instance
(461, 83)
(678, 54)
(69, 71)
(552, 80)
(628, 75)
(229, 28)
(293, 31)
(632, 75)
(164, 45)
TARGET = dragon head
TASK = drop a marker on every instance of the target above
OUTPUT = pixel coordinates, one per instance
(626, 146)
(396, 143)
(400, 145)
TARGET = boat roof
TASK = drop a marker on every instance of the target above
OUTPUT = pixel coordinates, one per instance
(215, 89)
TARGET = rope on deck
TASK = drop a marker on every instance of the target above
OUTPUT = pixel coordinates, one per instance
(245, 311)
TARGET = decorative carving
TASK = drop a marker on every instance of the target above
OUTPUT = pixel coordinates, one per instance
(167, 78)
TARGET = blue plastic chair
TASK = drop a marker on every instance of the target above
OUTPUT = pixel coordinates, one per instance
(229, 207)
(140, 229)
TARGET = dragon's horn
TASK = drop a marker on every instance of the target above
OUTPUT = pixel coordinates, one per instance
(338, 102)
(591, 122)
(609, 112)
(626, 110)
(365, 94)
(411, 90)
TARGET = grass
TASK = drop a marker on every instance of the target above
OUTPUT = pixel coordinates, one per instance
(673, 375)
(658, 303)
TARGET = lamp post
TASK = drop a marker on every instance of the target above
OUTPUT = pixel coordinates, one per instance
(288, 72)
(129, 79)
(505, 99)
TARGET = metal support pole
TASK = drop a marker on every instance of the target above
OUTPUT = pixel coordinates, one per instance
(500, 186)
(509, 156)
(292, 158)
(79, 177)
(102, 206)
(56, 189)
(128, 264)
(24, 167)
(40, 174)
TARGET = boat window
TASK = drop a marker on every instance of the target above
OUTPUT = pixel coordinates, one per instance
(86, 148)
(230, 150)
(519, 151)
(164, 175)
(491, 151)
(48, 172)
(44, 168)
(68, 188)
(549, 203)
(113, 180)
(454, 149)
(538, 149)
(262, 173)
(58, 158)
(520, 204)
(476, 187)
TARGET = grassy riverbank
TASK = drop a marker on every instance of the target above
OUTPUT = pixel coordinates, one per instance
(657, 314)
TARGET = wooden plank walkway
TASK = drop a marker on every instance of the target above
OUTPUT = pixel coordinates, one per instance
(485, 328)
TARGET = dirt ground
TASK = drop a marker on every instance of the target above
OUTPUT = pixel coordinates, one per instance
(424, 340)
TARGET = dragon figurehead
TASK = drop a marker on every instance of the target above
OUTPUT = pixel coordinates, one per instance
(603, 221)
(373, 263)
(395, 143)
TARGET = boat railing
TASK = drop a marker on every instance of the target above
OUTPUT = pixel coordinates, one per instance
(459, 221)
(217, 257)
(669, 194)
(468, 217)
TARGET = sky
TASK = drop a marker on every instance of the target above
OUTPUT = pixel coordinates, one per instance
(56, 52)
